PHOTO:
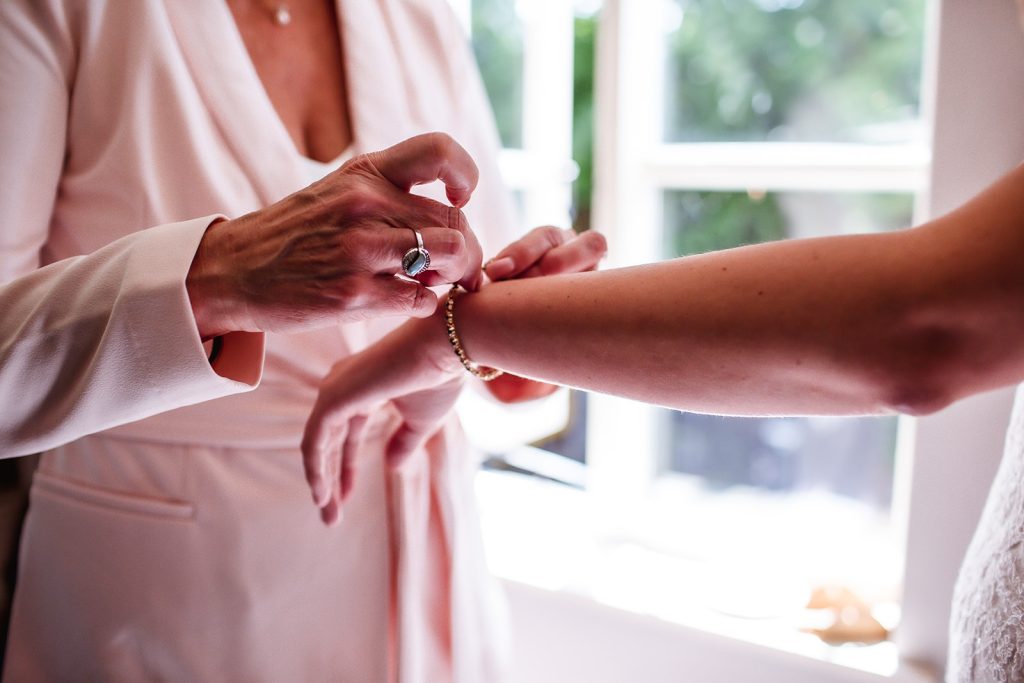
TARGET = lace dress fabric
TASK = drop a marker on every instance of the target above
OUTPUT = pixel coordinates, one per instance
(987, 625)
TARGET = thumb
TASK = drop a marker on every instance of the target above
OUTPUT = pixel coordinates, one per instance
(426, 158)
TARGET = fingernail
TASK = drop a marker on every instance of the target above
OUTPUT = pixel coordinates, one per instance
(320, 493)
(499, 268)
(330, 518)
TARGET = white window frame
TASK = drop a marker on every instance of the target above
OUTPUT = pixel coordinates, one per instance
(949, 459)
(541, 171)
(633, 167)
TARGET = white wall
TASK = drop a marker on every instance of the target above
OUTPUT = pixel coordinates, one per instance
(561, 638)
(978, 135)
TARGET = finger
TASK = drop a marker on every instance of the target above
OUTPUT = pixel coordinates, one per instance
(315, 449)
(353, 442)
(330, 513)
(473, 276)
(426, 158)
(449, 254)
(525, 252)
(387, 295)
(413, 211)
(577, 256)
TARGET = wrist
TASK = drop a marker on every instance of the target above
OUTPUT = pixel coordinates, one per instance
(484, 373)
(439, 348)
(215, 306)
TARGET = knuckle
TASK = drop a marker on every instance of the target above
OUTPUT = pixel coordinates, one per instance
(450, 243)
(346, 253)
(420, 211)
(551, 266)
(361, 201)
(350, 292)
(551, 235)
(442, 142)
(358, 163)
(408, 299)
(457, 219)
(537, 232)
(595, 242)
(417, 299)
(354, 173)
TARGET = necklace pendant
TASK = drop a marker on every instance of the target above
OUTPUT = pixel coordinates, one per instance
(283, 16)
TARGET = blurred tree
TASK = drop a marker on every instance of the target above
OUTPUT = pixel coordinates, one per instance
(738, 70)
(778, 70)
(498, 46)
(584, 54)
(793, 69)
(736, 217)
(749, 70)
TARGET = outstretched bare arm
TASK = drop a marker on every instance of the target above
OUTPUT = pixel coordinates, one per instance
(906, 321)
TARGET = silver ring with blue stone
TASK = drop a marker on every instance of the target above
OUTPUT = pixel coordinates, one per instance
(417, 259)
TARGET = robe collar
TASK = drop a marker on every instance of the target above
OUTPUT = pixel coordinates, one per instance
(229, 85)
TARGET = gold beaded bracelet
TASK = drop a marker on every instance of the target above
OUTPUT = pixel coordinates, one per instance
(486, 374)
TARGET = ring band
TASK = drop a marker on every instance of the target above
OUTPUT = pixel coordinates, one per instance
(417, 259)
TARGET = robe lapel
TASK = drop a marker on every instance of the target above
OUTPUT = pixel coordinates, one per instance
(379, 85)
(229, 85)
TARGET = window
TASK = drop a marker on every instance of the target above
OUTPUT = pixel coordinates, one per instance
(759, 120)
(719, 123)
(524, 50)
(525, 53)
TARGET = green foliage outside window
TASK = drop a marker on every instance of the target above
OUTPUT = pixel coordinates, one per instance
(793, 69)
(498, 46)
(738, 70)
(585, 49)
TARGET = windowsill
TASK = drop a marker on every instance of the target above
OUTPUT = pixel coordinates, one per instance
(554, 544)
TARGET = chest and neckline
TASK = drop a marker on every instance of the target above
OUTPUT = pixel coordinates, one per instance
(298, 71)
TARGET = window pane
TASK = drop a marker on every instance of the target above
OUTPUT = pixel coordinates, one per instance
(805, 70)
(700, 221)
(852, 457)
(584, 60)
(801, 499)
(498, 44)
(571, 442)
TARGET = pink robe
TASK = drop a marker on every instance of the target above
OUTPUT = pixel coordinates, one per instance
(184, 547)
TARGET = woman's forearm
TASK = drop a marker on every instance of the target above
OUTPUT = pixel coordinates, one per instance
(714, 333)
(861, 324)
(905, 321)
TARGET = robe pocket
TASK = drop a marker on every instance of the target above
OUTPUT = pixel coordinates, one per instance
(76, 492)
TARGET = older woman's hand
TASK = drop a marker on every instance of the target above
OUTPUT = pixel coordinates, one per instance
(416, 370)
(330, 253)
